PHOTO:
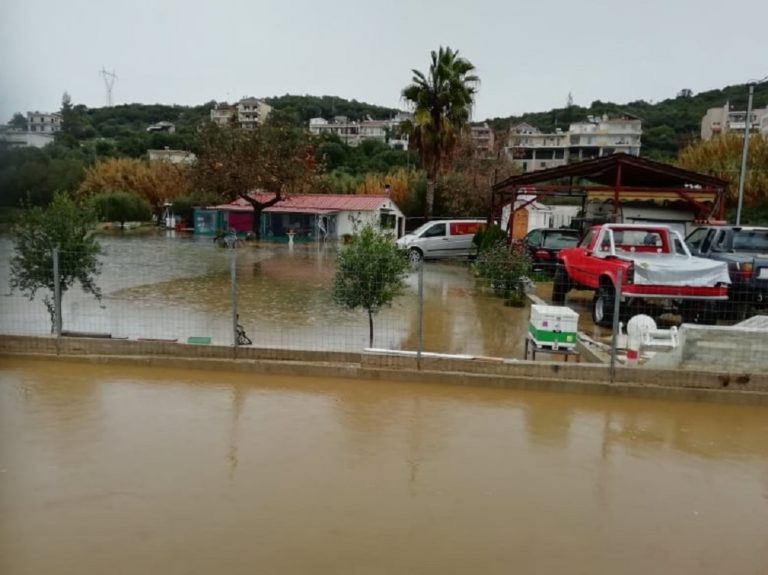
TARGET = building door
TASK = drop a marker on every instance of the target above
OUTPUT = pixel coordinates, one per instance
(520, 224)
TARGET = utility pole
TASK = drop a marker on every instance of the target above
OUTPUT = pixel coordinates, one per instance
(109, 82)
(745, 151)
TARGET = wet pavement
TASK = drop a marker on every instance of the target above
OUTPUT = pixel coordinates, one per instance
(107, 469)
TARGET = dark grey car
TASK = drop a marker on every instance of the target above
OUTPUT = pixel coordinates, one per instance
(745, 250)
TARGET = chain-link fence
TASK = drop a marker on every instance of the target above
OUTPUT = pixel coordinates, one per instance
(268, 295)
(281, 297)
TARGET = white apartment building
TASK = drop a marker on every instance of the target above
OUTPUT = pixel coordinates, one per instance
(249, 113)
(604, 136)
(531, 149)
(222, 114)
(724, 120)
(252, 112)
(352, 132)
(764, 125)
(42, 122)
(484, 139)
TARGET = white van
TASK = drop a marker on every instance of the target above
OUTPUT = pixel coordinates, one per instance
(441, 239)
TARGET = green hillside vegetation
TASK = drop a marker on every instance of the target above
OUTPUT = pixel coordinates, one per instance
(91, 134)
(301, 109)
(668, 126)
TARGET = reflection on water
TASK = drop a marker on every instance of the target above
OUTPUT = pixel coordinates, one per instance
(174, 288)
(170, 471)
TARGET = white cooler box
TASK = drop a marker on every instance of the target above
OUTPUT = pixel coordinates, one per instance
(552, 326)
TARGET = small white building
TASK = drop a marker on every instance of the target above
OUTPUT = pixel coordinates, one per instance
(529, 215)
(20, 139)
(172, 156)
(314, 216)
(43, 122)
(724, 120)
(247, 113)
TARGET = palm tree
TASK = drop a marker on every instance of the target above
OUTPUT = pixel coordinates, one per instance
(442, 101)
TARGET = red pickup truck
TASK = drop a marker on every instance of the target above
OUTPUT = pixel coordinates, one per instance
(654, 262)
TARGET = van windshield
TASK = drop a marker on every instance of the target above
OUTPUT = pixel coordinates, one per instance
(421, 228)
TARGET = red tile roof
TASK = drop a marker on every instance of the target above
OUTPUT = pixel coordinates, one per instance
(311, 203)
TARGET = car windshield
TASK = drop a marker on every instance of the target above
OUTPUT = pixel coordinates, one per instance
(750, 241)
(559, 240)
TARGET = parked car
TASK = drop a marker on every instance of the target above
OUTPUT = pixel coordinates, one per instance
(745, 250)
(655, 265)
(544, 244)
(441, 239)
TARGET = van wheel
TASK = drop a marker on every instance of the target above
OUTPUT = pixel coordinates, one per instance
(415, 256)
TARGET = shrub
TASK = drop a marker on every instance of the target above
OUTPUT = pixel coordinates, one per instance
(504, 269)
(488, 237)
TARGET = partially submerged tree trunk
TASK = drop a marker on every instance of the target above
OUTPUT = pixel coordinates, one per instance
(429, 203)
(258, 208)
(370, 328)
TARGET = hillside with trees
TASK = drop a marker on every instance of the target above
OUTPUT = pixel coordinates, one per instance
(97, 135)
(668, 126)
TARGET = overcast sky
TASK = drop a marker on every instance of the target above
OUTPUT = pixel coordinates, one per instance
(529, 54)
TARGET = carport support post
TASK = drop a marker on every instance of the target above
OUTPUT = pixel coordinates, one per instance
(233, 276)
(56, 293)
(615, 336)
(420, 316)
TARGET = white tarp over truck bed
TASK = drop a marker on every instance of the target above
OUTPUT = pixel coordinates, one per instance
(677, 270)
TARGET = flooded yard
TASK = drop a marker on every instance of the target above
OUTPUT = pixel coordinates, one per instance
(179, 287)
(107, 469)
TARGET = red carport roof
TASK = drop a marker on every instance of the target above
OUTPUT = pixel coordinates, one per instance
(635, 172)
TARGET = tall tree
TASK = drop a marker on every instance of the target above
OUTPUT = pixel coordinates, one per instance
(63, 225)
(73, 121)
(721, 157)
(275, 158)
(18, 121)
(155, 182)
(442, 101)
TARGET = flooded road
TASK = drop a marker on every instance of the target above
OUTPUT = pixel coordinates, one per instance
(107, 469)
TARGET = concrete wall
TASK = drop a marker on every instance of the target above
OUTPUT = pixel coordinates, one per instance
(711, 385)
(721, 348)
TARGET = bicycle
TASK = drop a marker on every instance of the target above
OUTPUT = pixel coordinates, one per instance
(242, 338)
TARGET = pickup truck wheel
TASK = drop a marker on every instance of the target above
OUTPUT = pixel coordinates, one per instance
(560, 286)
(602, 306)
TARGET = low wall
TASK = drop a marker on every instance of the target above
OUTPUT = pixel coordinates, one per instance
(712, 385)
(741, 350)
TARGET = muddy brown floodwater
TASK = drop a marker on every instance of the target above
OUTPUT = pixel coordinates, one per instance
(114, 469)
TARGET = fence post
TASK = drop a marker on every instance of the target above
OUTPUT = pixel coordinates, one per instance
(56, 293)
(420, 316)
(233, 276)
(615, 336)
